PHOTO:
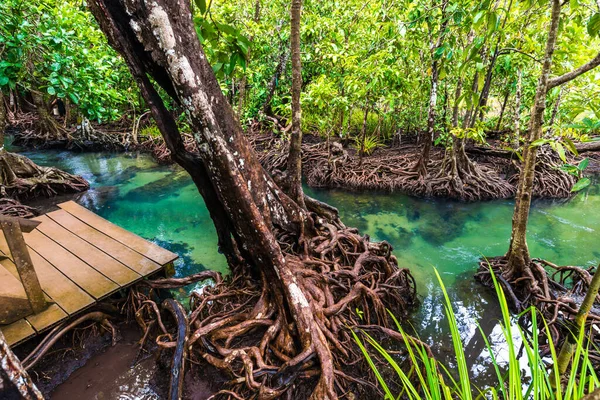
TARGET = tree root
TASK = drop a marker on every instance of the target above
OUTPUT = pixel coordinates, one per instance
(13, 208)
(550, 181)
(237, 324)
(557, 295)
(58, 332)
(21, 178)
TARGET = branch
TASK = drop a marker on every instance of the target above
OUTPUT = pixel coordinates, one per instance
(569, 76)
(509, 49)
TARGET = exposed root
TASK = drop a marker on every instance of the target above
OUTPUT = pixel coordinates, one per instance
(238, 325)
(21, 178)
(58, 332)
(13, 208)
(550, 181)
(556, 294)
(32, 132)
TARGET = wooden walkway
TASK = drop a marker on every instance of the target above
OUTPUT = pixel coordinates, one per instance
(79, 258)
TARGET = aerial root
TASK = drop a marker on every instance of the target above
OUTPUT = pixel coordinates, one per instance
(58, 332)
(556, 294)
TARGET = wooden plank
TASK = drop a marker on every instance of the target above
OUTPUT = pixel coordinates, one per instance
(61, 289)
(17, 332)
(134, 260)
(47, 318)
(129, 239)
(87, 278)
(97, 259)
(14, 303)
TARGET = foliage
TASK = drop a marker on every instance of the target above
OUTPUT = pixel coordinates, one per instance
(56, 48)
(368, 146)
(431, 380)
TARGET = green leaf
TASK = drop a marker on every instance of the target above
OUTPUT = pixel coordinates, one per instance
(74, 98)
(571, 146)
(51, 90)
(539, 142)
(561, 152)
(583, 164)
(581, 184)
(593, 25)
(3, 80)
(201, 4)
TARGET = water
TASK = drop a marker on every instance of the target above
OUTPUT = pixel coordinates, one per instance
(160, 203)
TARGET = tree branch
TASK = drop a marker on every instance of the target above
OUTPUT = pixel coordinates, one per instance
(569, 76)
(509, 49)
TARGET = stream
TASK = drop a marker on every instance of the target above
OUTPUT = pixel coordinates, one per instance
(160, 203)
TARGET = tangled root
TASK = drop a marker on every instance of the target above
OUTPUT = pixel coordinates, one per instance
(550, 182)
(238, 324)
(13, 208)
(557, 295)
(448, 175)
(21, 178)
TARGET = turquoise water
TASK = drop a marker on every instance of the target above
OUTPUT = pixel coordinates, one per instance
(161, 203)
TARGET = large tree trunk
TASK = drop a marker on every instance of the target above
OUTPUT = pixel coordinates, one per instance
(294, 166)
(306, 316)
(518, 253)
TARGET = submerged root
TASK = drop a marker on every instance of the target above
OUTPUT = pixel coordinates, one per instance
(246, 327)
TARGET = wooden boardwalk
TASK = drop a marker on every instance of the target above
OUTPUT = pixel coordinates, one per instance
(79, 258)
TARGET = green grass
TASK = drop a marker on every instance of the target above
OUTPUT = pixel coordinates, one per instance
(430, 380)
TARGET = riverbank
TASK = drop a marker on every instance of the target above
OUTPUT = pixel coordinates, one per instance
(483, 173)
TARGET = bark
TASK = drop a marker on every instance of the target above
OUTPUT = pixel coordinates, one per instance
(570, 344)
(3, 120)
(46, 124)
(15, 382)
(294, 167)
(569, 76)
(518, 110)
(554, 114)
(284, 55)
(244, 81)
(518, 252)
(363, 135)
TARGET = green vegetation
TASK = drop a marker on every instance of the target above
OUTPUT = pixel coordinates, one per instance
(431, 380)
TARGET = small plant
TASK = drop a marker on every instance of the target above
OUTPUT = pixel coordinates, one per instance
(150, 131)
(369, 145)
(429, 379)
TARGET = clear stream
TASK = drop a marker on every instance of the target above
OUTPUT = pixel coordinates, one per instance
(162, 204)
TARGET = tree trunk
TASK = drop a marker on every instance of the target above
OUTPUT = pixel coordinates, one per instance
(295, 300)
(501, 117)
(15, 382)
(554, 114)
(3, 120)
(518, 252)
(518, 94)
(421, 166)
(244, 81)
(283, 59)
(294, 166)
(363, 135)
